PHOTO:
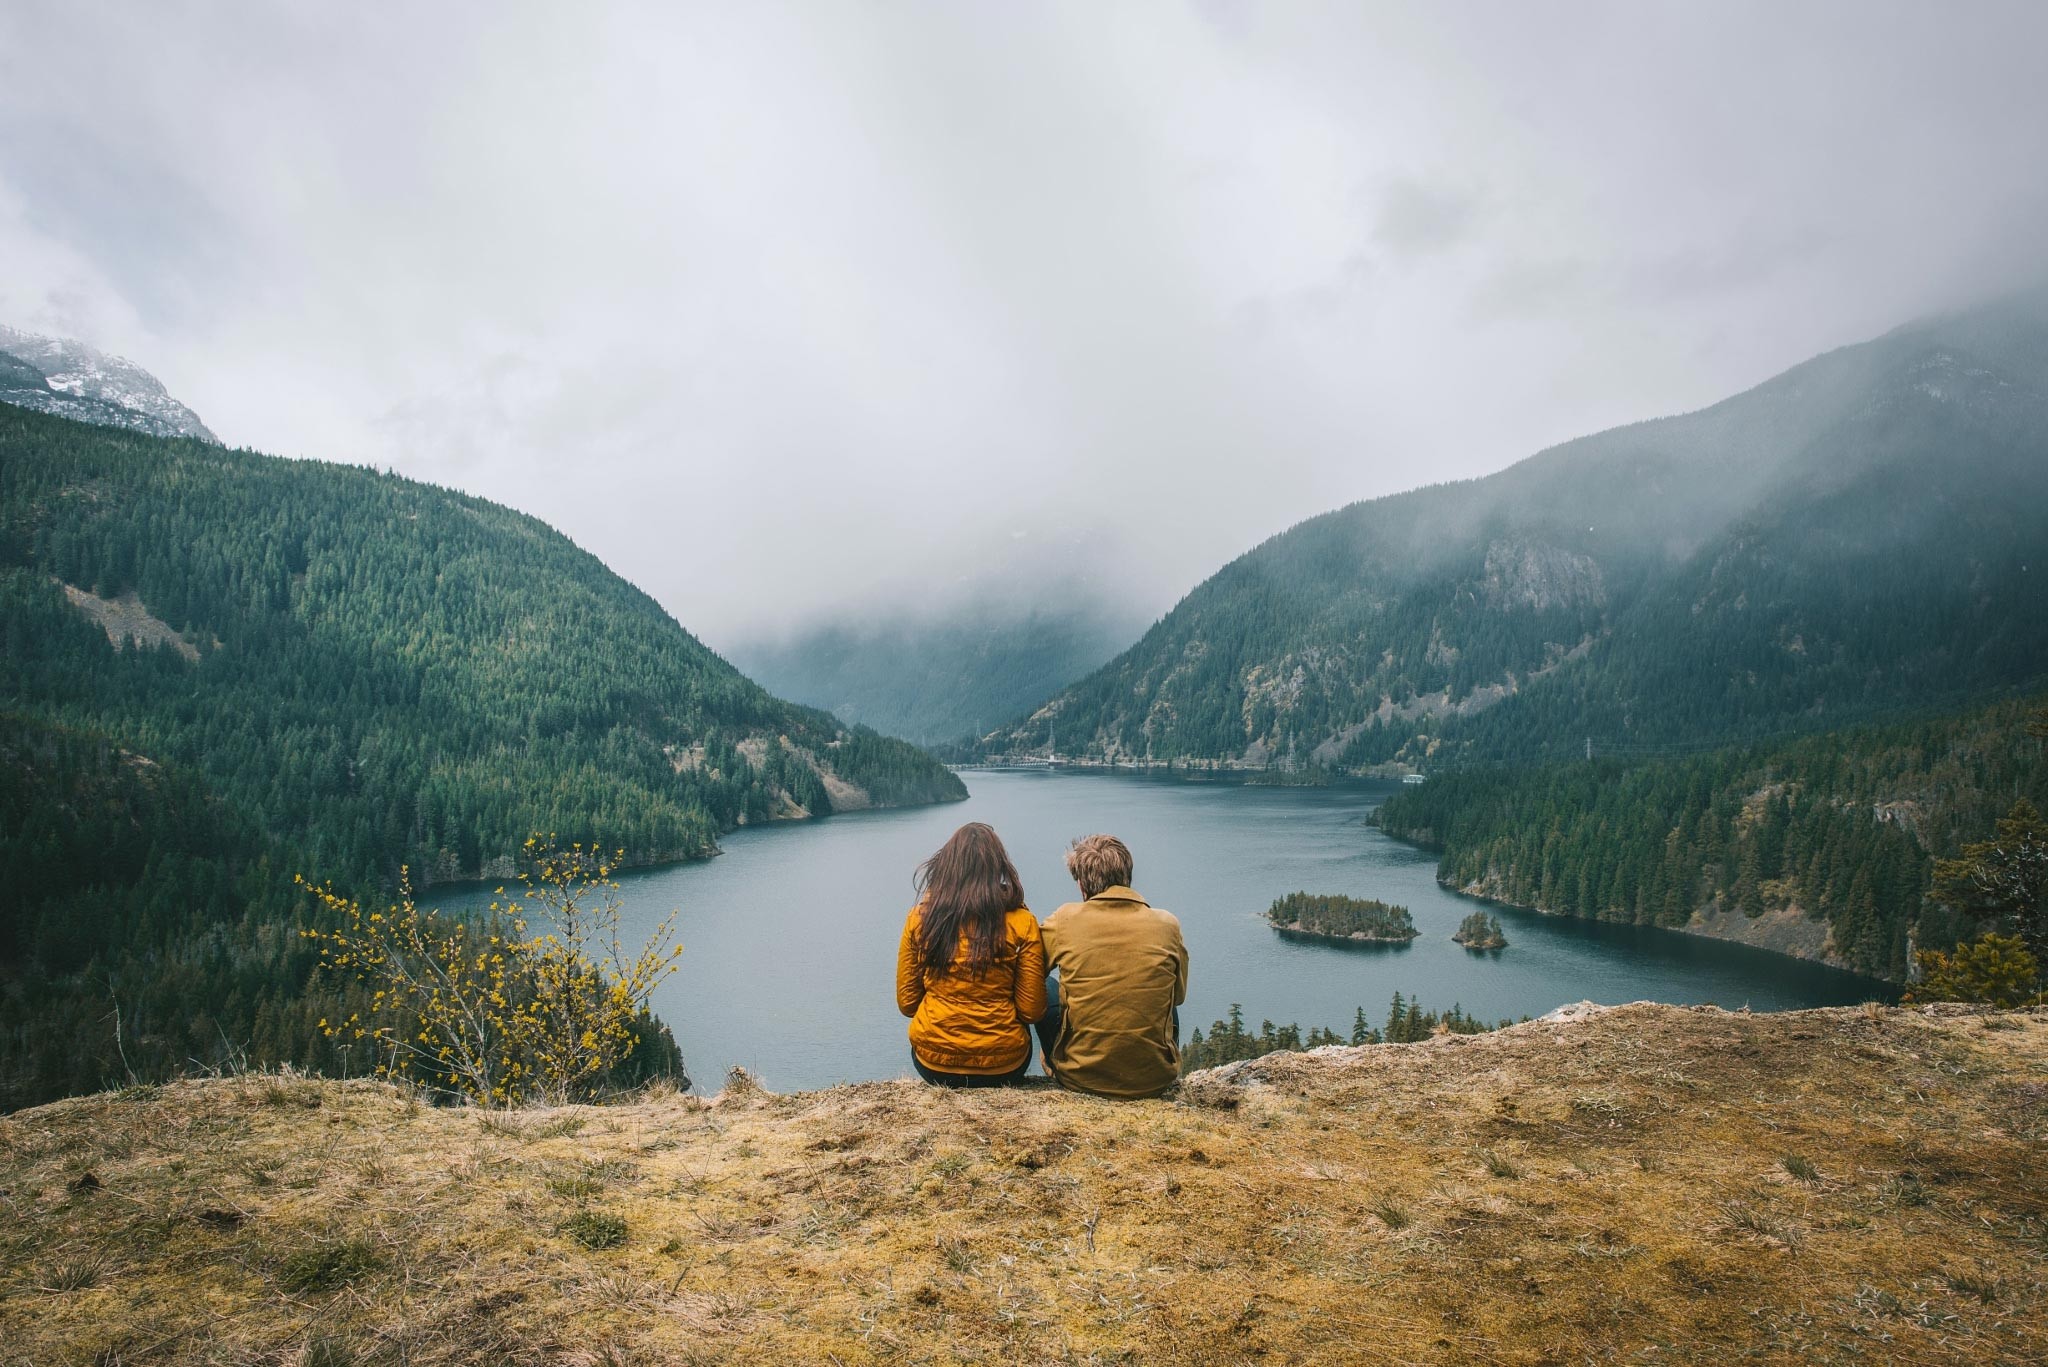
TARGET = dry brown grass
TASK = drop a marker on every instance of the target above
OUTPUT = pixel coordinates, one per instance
(1611, 1190)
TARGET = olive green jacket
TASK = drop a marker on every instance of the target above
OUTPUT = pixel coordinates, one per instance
(1123, 968)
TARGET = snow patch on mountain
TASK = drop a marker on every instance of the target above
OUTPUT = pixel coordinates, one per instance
(72, 380)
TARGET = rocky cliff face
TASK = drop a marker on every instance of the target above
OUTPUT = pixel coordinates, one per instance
(73, 380)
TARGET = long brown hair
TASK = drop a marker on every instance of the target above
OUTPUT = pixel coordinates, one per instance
(967, 888)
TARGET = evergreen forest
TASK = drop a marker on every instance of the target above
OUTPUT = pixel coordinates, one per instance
(1841, 828)
(1229, 1041)
(1343, 918)
(219, 669)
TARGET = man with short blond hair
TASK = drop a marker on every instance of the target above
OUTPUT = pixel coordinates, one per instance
(1111, 1026)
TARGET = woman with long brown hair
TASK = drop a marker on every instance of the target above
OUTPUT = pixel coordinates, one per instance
(970, 969)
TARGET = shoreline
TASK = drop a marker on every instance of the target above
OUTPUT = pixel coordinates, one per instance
(1700, 926)
(637, 866)
(1367, 942)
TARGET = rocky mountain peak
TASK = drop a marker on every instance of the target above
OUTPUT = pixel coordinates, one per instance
(72, 380)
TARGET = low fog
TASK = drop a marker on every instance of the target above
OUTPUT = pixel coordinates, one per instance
(798, 312)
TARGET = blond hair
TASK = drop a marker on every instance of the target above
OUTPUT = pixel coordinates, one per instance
(1097, 862)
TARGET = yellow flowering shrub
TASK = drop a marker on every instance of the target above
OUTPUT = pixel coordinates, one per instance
(537, 1001)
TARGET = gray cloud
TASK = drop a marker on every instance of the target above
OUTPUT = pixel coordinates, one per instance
(1416, 218)
(787, 309)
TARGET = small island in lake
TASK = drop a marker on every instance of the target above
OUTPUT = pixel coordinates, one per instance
(1332, 916)
(1480, 931)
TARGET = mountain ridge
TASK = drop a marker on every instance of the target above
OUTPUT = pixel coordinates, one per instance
(1711, 572)
(68, 378)
(389, 608)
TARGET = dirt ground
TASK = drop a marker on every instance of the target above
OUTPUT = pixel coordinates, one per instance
(1643, 1184)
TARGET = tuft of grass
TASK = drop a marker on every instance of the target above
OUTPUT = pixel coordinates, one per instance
(503, 1125)
(1904, 1191)
(1801, 1169)
(328, 1265)
(1982, 1286)
(595, 1229)
(1747, 1217)
(1391, 1213)
(500, 1124)
(325, 1350)
(561, 1127)
(592, 1178)
(301, 1094)
(1496, 1164)
(72, 1274)
(263, 1171)
(956, 1255)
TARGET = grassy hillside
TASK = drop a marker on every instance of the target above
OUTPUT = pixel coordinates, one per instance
(1646, 1184)
(1821, 846)
(1862, 534)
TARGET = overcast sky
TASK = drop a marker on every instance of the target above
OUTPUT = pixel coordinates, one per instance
(789, 310)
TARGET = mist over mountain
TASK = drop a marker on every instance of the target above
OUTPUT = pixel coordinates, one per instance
(947, 675)
(1865, 532)
(72, 380)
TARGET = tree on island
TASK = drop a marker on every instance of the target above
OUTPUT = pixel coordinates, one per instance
(1341, 918)
(1481, 931)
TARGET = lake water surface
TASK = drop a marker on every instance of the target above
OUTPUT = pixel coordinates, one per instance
(790, 936)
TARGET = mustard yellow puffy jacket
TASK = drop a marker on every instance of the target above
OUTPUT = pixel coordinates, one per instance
(961, 1024)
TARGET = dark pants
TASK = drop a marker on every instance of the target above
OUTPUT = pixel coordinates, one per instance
(1048, 1026)
(1014, 1076)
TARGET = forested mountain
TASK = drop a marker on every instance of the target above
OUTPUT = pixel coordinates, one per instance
(73, 380)
(218, 669)
(947, 677)
(1820, 846)
(384, 671)
(1867, 531)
